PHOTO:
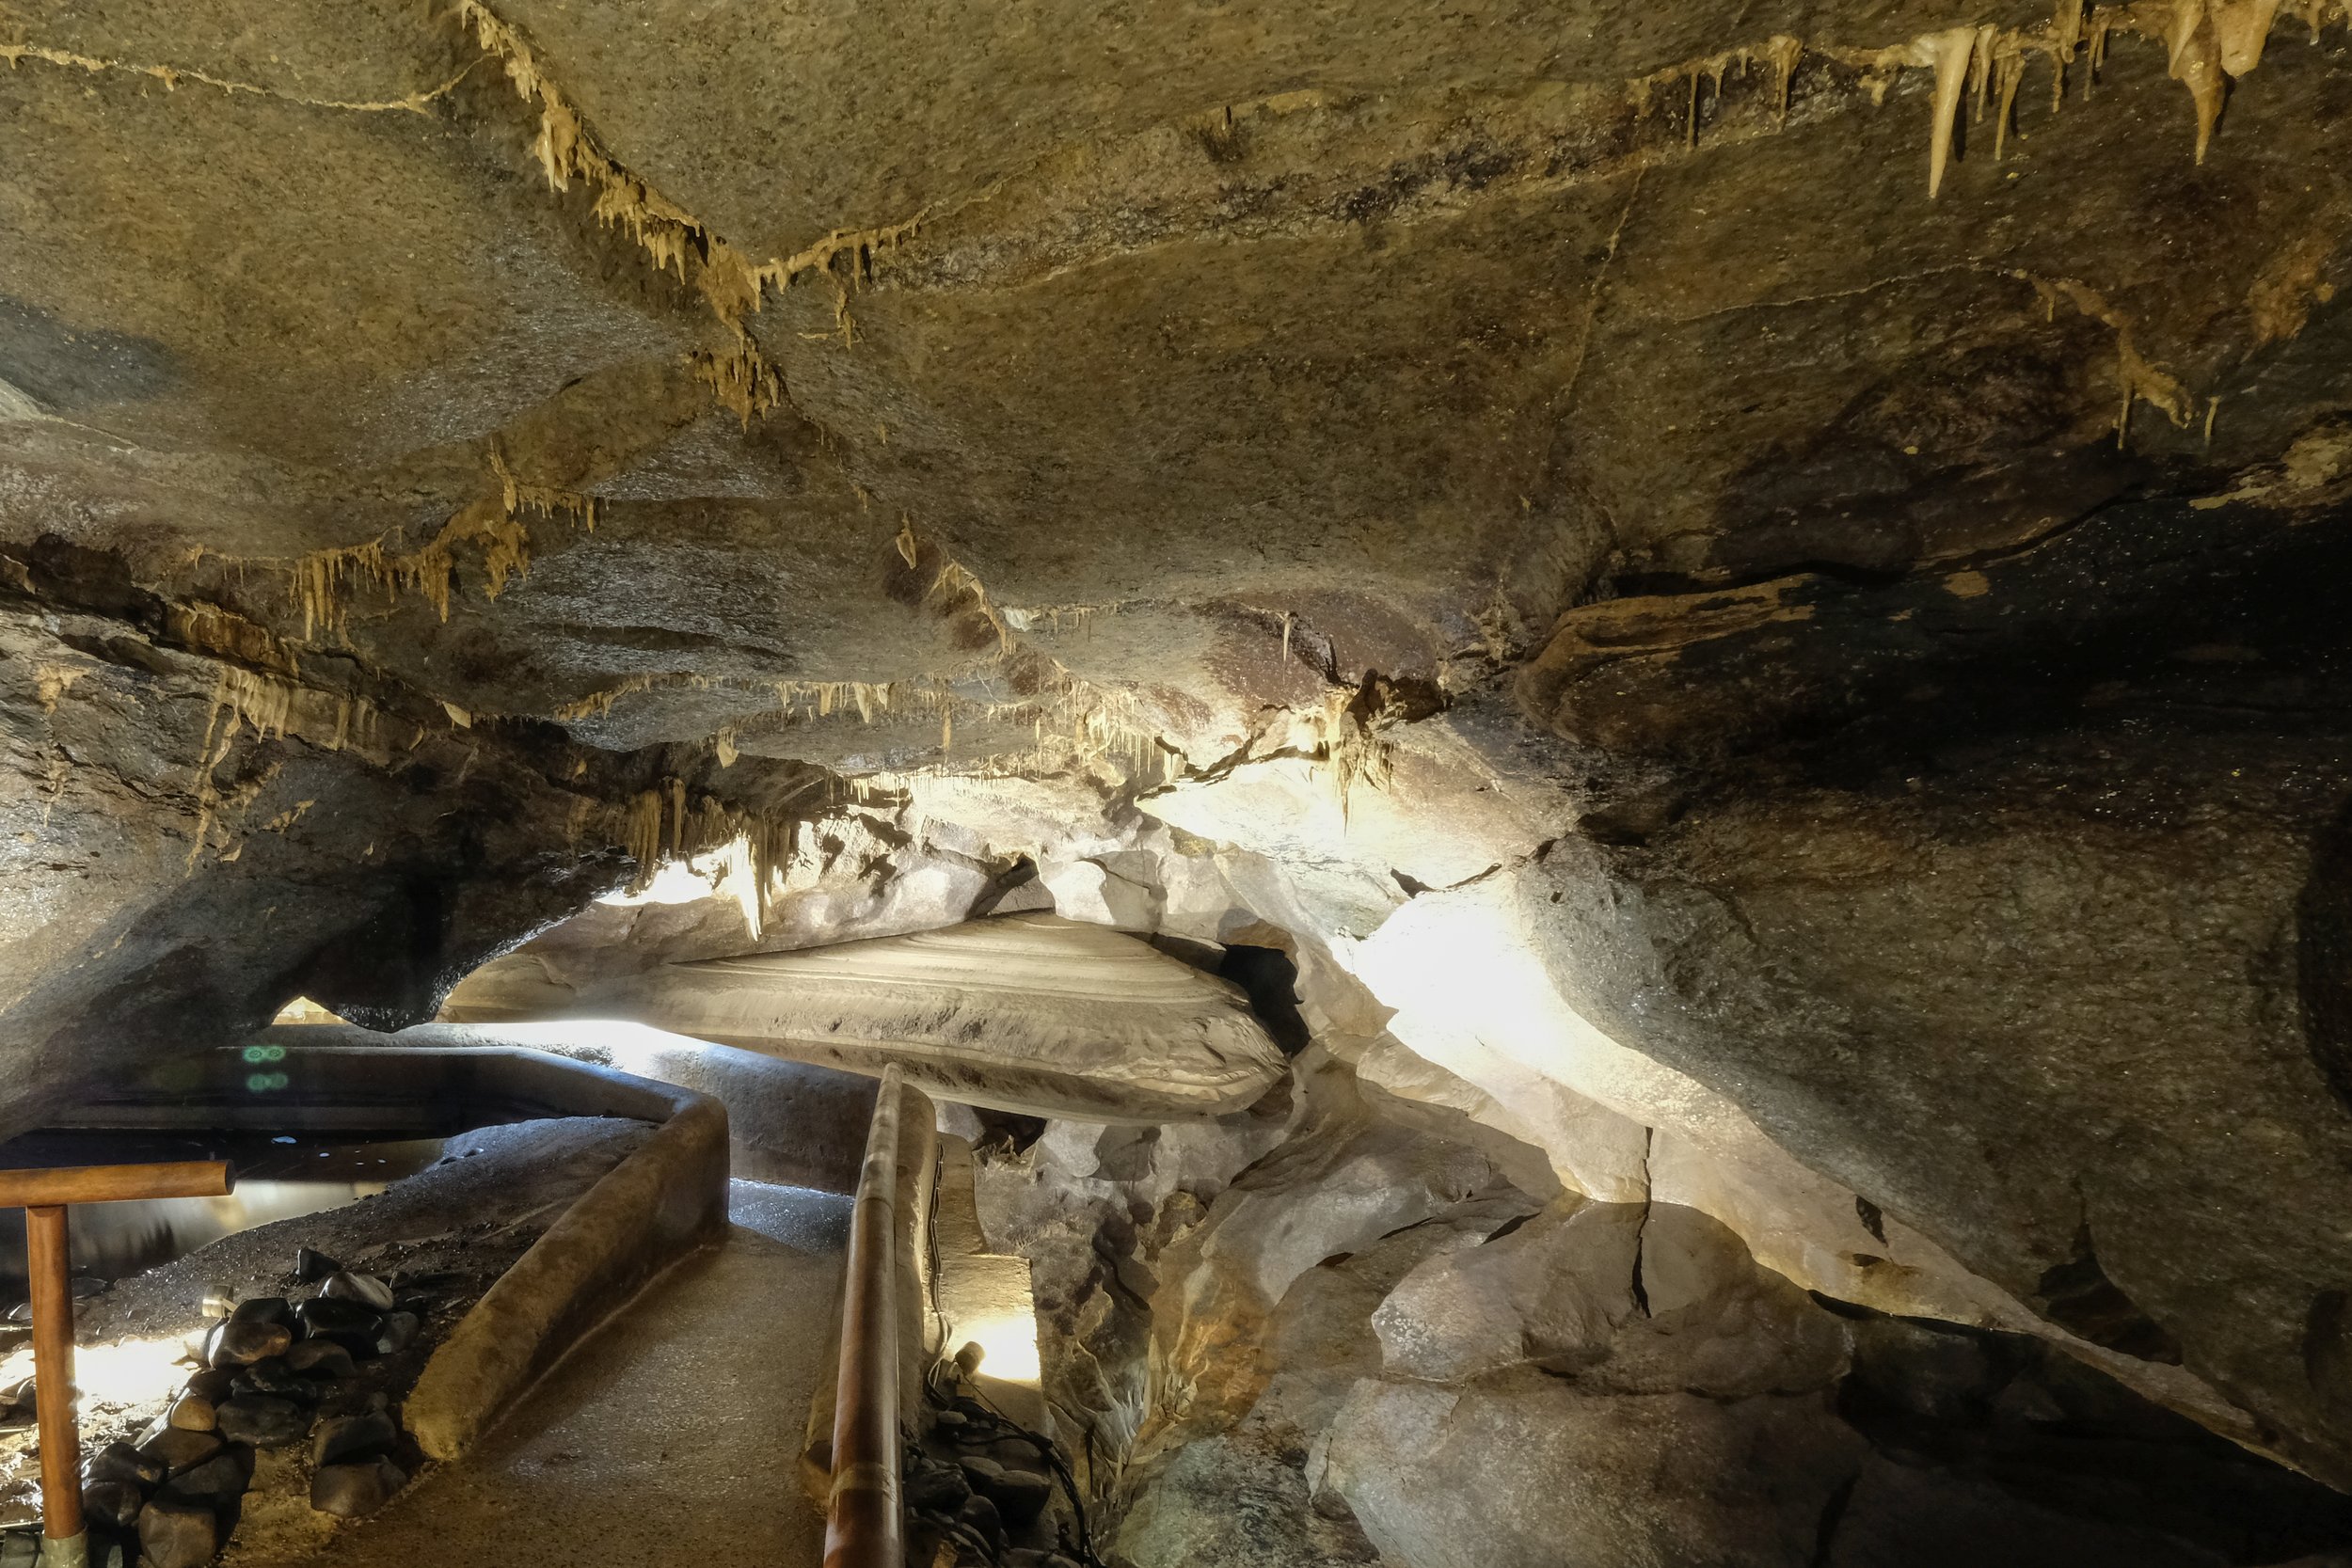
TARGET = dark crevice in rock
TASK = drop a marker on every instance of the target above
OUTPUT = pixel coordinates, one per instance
(2022, 1417)
(1270, 977)
(2079, 1294)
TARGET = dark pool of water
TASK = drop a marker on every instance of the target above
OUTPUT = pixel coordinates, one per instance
(277, 1177)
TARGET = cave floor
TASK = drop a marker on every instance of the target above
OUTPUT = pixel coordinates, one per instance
(668, 1437)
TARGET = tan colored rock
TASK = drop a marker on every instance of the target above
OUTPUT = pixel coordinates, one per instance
(1519, 1470)
(1030, 1013)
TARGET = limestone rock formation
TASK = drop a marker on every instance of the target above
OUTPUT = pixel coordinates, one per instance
(1026, 1012)
(1720, 606)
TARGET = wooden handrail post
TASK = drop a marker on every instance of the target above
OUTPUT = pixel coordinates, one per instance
(48, 1264)
(864, 1526)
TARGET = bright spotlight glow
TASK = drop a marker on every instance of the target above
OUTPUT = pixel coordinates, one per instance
(130, 1372)
(1007, 1345)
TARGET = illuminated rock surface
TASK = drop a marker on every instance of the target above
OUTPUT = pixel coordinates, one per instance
(1028, 1013)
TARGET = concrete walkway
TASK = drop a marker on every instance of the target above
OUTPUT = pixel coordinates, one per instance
(670, 1436)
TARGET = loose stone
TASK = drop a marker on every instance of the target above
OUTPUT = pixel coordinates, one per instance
(980, 1470)
(349, 1491)
(336, 1315)
(213, 1382)
(321, 1358)
(310, 1267)
(242, 1342)
(176, 1534)
(980, 1516)
(935, 1488)
(1020, 1496)
(365, 1289)
(192, 1412)
(227, 1474)
(268, 1422)
(398, 1333)
(260, 1310)
(113, 1502)
(123, 1463)
(351, 1437)
(180, 1451)
(276, 1378)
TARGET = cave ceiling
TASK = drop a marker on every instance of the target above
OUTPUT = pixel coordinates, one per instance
(639, 369)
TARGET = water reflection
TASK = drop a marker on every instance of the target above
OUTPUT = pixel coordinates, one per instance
(277, 1179)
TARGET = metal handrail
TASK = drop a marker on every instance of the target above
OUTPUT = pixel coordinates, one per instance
(864, 1520)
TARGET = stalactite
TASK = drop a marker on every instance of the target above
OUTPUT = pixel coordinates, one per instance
(1950, 53)
(2208, 44)
(2196, 64)
(2242, 28)
(742, 380)
(2012, 73)
(495, 525)
(673, 240)
(1783, 51)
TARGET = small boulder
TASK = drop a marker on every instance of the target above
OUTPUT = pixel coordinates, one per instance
(336, 1315)
(931, 1488)
(263, 1421)
(179, 1450)
(349, 1491)
(345, 1438)
(224, 1476)
(260, 1310)
(1020, 1496)
(275, 1379)
(241, 1341)
(980, 1516)
(365, 1289)
(123, 1463)
(113, 1502)
(213, 1382)
(1016, 1454)
(310, 1267)
(192, 1412)
(397, 1334)
(321, 1358)
(175, 1534)
(980, 1471)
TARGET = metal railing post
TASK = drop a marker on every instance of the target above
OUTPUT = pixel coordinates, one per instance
(864, 1526)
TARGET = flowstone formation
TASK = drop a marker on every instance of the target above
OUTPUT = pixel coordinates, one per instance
(1724, 611)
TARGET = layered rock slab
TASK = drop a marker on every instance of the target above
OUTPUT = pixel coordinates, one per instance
(1029, 1013)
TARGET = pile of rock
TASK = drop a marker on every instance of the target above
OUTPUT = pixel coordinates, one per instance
(274, 1372)
(979, 1493)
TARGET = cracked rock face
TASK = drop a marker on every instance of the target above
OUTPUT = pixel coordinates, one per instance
(1723, 607)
